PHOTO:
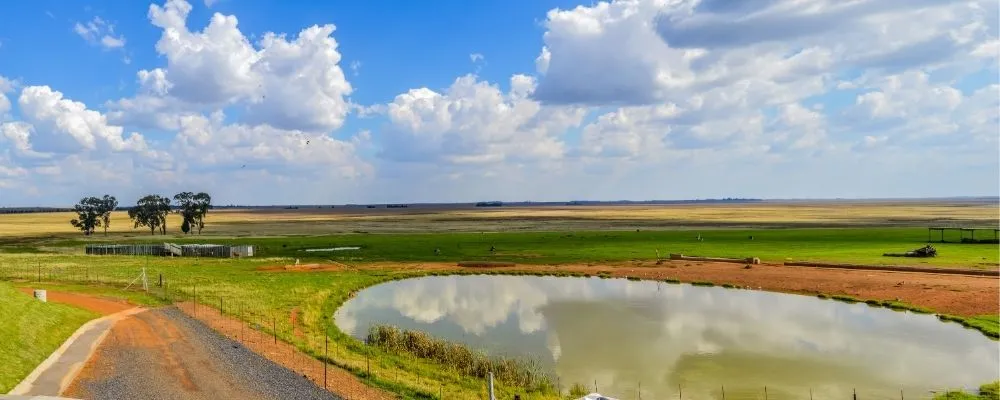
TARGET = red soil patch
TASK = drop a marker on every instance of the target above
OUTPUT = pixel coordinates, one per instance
(294, 320)
(951, 294)
(100, 305)
(339, 381)
(304, 267)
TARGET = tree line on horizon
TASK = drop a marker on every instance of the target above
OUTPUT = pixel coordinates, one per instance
(149, 211)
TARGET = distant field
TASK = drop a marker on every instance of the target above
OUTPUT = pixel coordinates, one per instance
(845, 245)
(272, 222)
(394, 243)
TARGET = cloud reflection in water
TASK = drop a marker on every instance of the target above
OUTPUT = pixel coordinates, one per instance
(621, 332)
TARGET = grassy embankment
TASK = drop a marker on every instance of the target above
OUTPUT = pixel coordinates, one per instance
(260, 296)
(31, 330)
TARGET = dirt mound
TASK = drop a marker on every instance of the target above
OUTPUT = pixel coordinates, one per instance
(100, 305)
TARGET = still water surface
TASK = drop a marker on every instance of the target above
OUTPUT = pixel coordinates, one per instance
(628, 336)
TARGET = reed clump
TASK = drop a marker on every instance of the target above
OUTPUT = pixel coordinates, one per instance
(520, 373)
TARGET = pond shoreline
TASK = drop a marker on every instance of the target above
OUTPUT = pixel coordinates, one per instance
(483, 297)
(961, 295)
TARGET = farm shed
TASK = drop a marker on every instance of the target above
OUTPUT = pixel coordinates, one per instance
(159, 249)
(170, 249)
(242, 250)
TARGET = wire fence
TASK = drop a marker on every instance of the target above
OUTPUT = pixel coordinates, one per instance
(280, 335)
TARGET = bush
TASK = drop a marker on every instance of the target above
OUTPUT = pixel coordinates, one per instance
(577, 390)
(990, 391)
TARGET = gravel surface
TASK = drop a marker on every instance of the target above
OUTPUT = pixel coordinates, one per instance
(164, 354)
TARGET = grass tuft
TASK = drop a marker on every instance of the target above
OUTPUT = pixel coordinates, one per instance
(844, 298)
(510, 371)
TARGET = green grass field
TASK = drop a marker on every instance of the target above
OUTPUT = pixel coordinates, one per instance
(30, 331)
(263, 296)
(848, 245)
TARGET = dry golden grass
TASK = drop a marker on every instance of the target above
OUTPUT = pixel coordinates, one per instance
(322, 221)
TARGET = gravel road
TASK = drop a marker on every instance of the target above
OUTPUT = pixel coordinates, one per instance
(164, 354)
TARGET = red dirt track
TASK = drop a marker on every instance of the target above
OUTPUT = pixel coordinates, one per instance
(100, 305)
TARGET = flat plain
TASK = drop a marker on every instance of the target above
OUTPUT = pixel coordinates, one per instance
(43, 250)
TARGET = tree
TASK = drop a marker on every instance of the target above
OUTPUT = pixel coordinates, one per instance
(204, 203)
(193, 208)
(185, 201)
(151, 211)
(108, 204)
(88, 211)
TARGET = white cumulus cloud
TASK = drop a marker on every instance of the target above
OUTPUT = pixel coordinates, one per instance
(288, 83)
(99, 33)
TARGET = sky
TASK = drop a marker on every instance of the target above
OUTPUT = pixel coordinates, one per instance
(276, 102)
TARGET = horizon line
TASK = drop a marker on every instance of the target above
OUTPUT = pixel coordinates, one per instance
(570, 202)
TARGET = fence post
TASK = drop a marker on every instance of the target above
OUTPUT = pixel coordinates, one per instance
(723, 392)
(274, 328)
(765, 392)
(855, 393)
(326, 353)
(680, 392)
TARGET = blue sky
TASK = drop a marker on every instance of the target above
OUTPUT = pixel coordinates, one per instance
(266, 102)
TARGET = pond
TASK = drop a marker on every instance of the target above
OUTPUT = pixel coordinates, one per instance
(625, 336)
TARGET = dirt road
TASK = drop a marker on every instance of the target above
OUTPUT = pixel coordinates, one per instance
(164, 354)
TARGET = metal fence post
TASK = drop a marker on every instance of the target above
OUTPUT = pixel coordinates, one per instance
(490, 383)
(326, 353)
